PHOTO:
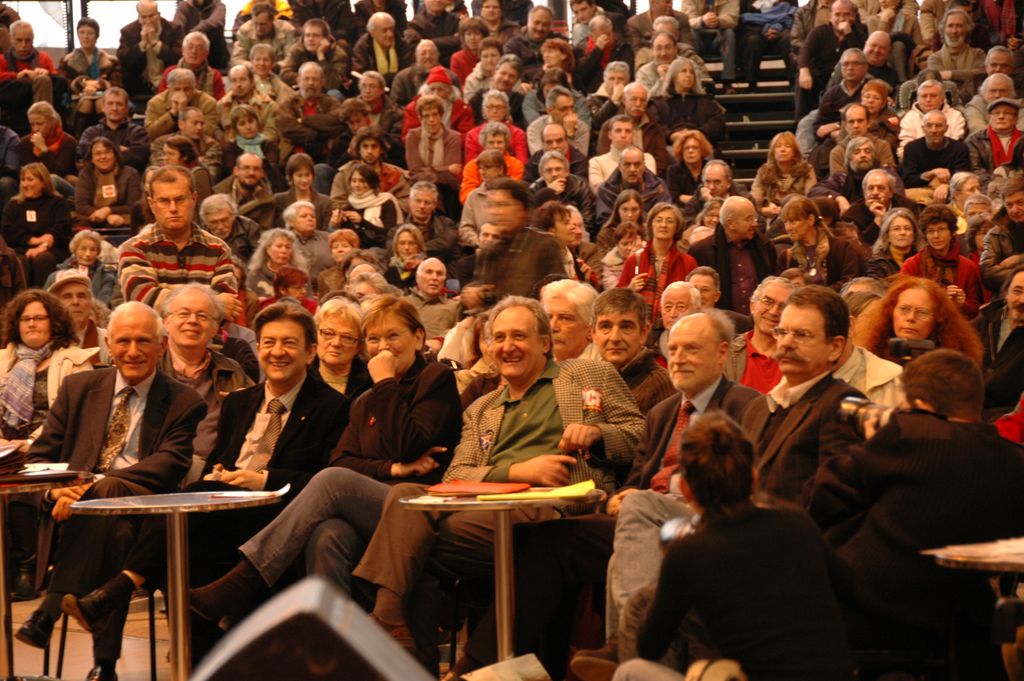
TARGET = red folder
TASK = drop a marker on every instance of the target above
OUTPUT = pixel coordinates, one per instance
(467, 488)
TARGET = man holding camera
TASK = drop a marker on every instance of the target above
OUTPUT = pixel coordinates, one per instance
(933, 475)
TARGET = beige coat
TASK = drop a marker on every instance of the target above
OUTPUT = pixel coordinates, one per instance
(877, 378)
(63, 362)
(159, 120)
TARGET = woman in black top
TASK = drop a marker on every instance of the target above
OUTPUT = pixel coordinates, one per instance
(403, 429)
(759, 579)
(36, 223)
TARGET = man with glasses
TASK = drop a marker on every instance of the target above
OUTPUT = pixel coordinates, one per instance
(751, 359)
(994, 146)
(854, 68)
(795, 427)
(172, 251)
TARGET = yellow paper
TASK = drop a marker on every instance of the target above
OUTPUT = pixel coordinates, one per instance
(580, 489)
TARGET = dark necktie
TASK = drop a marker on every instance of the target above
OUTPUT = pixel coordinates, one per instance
(268, 441)
(670, 460)
(117, 431)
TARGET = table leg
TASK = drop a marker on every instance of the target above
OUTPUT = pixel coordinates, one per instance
(178, 614)
(6, 642)
(504, 584)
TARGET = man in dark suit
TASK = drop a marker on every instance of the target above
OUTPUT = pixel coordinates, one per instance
(277, 433)
(148, 46)
(794, 426)
(554, 555)
(133, 426)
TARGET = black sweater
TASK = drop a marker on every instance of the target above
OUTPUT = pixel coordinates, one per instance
(50, 215)
(761, 585)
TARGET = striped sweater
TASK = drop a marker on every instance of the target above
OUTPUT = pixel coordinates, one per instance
(150, 265)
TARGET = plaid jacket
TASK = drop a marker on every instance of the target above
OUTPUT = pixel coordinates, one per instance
(616, 414)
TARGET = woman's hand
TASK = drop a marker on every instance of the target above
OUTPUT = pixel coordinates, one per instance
(770, 210)
(352, 216)
(956, 294)
(412, 262)
(115, 220)
(638, 282)
(382, 366)
(100, 214)
(38, 141)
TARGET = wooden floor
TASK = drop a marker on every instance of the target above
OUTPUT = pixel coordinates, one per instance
(134, 663)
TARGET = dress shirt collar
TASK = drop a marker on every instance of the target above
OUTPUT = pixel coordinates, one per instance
(288, 399)
(783, 396)
(141, 388)
(701, 400)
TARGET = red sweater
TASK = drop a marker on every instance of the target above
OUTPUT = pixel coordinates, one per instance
(678, 265)
(8, 73)
(968, 278)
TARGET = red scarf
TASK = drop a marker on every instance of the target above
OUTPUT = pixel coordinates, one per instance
(1003, 17)
(53, 141)
(941, 268)
(606, 55)
(999, 156)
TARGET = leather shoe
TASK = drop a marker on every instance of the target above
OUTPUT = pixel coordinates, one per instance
(36, 630)
(91, 611)
(24, 588)
(101, 673)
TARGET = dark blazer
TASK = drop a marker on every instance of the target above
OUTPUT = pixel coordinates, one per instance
(730, 397)
(314, 425)
(133, 60)
(77, 423)
(713, 251)
(809, 435)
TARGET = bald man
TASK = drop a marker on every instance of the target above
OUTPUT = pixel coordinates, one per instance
(148, 46)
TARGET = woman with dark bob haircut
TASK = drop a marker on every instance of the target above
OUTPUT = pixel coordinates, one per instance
(915, 308)
(403, 429)
(751, 574)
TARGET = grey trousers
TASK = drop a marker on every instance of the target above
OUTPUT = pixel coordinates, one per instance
(332, 518)
(636, 561)
(645, 670)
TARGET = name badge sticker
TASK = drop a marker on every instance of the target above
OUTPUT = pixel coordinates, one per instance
(108, 191)
(30, 216)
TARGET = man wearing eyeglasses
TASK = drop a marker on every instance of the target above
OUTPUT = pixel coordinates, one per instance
(751, 360)
(172, 251)
(794, 426)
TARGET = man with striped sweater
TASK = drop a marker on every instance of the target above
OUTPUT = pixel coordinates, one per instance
(173, 251)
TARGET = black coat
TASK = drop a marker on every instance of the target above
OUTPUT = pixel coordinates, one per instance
(1004, 368)
(714, 252)
(133, 60)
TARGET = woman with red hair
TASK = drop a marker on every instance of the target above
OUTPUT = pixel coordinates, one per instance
(916, 309)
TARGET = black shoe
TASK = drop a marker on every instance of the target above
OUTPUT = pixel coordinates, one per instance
(101, 673)
(233, 596)
(93, 610)
(36, 630)
(24, 587)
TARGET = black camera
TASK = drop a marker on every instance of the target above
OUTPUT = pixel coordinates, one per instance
(903, 350)
(860, 412)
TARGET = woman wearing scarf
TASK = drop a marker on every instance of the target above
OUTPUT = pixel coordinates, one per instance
(408, 250)
(822, 258)
(942, 263)
(661, 262)
(689, 106)
(784, 174)
(40, 352)
(433, 151)
(107, 190)
(276, 249)
(50, 145)
(898, 239)
(90, 72)
(369, 212)
(36, 223)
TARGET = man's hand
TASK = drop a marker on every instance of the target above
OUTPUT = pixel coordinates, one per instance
(178, 100)
(805, 80)
(940, 193)
(557, 185)
(579, 436)
(615, 502)
(601, 41)
(63, 499)
(382, 366)
(569, 122)
(843, 29)
(710, 20)
(455, 168)
(618, 90)
(940, 174)
(232, 305)
(1013, 260)
(420, 466)
(878, 210)
(546, 470)
(254, 480)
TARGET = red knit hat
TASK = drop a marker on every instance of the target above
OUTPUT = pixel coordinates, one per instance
(438, 75)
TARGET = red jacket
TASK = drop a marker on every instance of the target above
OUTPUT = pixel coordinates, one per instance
(678, 264)
(968, 278)
(10, 72)
(461, 122)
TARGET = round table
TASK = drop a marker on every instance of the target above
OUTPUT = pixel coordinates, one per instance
(33, 483)
(177, 507)
(504, 581)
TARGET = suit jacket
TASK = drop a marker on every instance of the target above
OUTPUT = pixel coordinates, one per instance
(133, 60)
(732, 398)
(809, 435)
(619, 419)
(77, 424)
(314, 426)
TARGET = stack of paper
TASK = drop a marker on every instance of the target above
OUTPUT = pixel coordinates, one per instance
(11, 459)
(577, 491)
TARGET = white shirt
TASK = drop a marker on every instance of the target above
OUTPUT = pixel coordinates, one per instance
(262, 420)
(129, 455)
(783, 396)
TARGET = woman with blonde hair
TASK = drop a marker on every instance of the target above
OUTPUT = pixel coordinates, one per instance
(408, 250)
(784, 173)
(340, 347)
(822, 258)
(36, 224)
(277, 248)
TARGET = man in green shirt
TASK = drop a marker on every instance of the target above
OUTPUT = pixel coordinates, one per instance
(549, 425)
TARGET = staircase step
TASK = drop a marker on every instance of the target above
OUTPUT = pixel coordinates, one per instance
(775, 125)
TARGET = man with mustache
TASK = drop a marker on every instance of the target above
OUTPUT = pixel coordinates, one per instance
(1001, 326)
(794, 426)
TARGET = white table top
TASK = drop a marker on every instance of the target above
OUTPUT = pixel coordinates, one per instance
(183, 502)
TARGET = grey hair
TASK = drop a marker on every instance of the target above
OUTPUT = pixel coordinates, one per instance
(292, 211)
(616, 66)
(682, 286)
(598, 21)
(889, 178)
(245, 66)
(677, 65)
(553, 95)
(957, 182)
(217, 202)
(339, 308)
(425, 186)
(21, 23)
(723, 327)
(998, 76)
(581, 296)
(636, 85)
(856, 52)
(882, 241)
(877, 286)
(374, 75)
(378, 17)
(218, 307)
(715, 163)
(769, 281)
(495, 128)
(376, 280)
(260, 47)
(259, 256)
(312, 65)
(196, 35)
(978, 198)
(950, 12)
(181, 76)
(931, 82)
(554, 154)
(509, 302)
(82, 236)
(998, 49)
(512, 59)
(139, 307)
(496, 94)
(667, 19)
(855, 143)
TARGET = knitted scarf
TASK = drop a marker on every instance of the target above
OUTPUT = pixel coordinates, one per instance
(1000, 155)
(387, 61)
(941, 268)
(16, 391)
(251, 145)
(13, 60)
(370, 204)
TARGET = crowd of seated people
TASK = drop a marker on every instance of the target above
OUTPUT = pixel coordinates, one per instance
(414, 232)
